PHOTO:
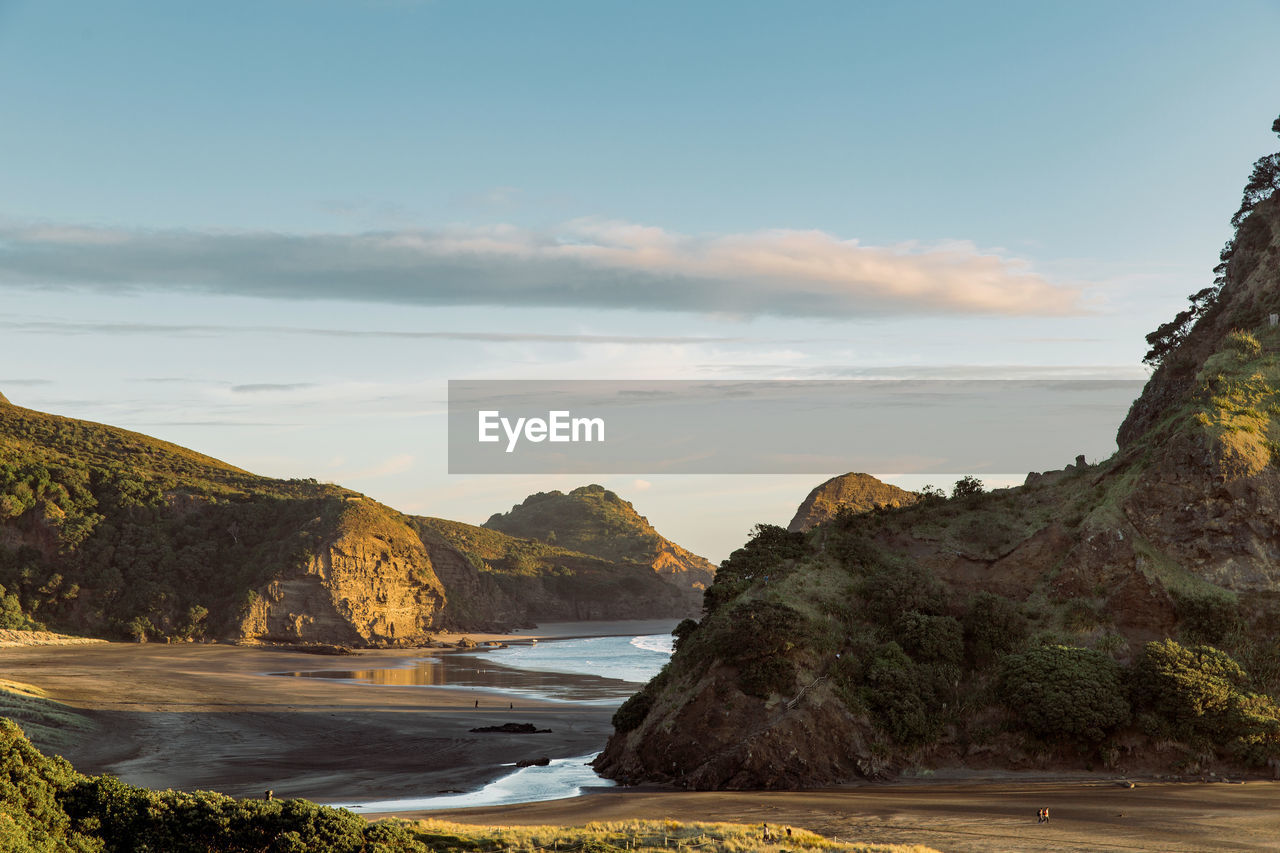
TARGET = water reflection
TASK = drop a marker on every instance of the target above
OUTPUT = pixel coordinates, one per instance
(480, 673)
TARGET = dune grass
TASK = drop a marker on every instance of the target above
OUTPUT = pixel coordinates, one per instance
(48, 724)
(638, 835)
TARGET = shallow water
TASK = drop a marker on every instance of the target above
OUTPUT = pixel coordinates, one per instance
(562, 778)
(591, 670)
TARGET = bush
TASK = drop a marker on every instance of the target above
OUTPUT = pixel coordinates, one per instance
(682, 632)
(900, 698)
(1197, 694)
(930, 639)
(967, 487)
(770, 546)
(993, 626)
(1064, 693)
(893, 590)
(1206, 619)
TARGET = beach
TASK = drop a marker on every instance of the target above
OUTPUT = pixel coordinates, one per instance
(980, 816)
(198, 716)
(224, 718)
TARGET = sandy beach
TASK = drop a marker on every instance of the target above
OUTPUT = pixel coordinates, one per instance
(993, 816)
(210, 716)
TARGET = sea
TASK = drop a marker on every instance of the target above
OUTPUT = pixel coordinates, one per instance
(592, 670)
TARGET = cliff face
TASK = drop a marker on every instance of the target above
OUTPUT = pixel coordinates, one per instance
(856, 492)
(902, 639)
(594, 520)
(371, 582)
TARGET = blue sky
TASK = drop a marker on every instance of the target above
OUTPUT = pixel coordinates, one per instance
(211, 213)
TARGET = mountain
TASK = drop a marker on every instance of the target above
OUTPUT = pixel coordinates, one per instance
(112, 533)
(594, 520)
(856, 492)
(1121, 617)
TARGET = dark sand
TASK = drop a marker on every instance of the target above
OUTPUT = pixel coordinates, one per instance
(194, 716)
(994, 816)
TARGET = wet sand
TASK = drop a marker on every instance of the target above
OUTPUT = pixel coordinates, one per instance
(994, 816)
(197, 716)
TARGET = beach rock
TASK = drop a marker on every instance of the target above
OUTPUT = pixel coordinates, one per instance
(533, 762)
(514, 728)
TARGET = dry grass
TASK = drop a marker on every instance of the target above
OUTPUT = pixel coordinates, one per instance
(642, 835)
(48, 724)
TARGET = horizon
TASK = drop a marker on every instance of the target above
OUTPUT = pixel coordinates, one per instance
(272, 232)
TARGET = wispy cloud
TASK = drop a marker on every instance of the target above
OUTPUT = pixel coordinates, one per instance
(585, 263)
(270, 387)
(74, 328)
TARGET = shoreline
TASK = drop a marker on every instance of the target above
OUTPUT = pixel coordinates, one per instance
(209, 716)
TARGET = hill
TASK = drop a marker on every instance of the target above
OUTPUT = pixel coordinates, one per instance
(853, 492)
(112, 533)
(1119, 617)
(594, 520)
(534, 581)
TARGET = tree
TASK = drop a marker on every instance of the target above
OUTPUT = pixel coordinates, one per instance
(967, 486)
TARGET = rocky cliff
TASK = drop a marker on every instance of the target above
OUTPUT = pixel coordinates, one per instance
(1119, 617)
(851, 492)
(594, 520)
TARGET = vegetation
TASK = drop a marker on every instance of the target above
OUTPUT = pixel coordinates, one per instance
(511, 562)
(590, 519)
(120, 535)
(1263, 182)
(1063, 693)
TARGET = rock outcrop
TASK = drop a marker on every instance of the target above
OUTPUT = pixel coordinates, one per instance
(593, 520)
(853, 492)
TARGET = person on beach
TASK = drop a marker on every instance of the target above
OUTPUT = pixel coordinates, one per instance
(477, 703)
(1039, 815)
(1046, 815)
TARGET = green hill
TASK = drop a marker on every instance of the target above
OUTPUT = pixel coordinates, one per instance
(112, 533)
(594, 520)
(1121, 617)
(557, 584)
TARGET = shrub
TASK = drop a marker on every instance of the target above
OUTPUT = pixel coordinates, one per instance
(900, 699)
(1064, 693)
(892, 590)
(770, 546)
(683, 631)
(930, 639)
(1206, 619)
(967, 486)
(1197, 694)
(993, 626)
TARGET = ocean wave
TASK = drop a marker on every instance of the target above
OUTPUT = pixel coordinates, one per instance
(660, 643)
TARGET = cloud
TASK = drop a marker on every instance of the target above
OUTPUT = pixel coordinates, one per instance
(269, 387)
(73, 328)
(641, 485)
(585, 263)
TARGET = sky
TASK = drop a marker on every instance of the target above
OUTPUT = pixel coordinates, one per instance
(273, 231)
